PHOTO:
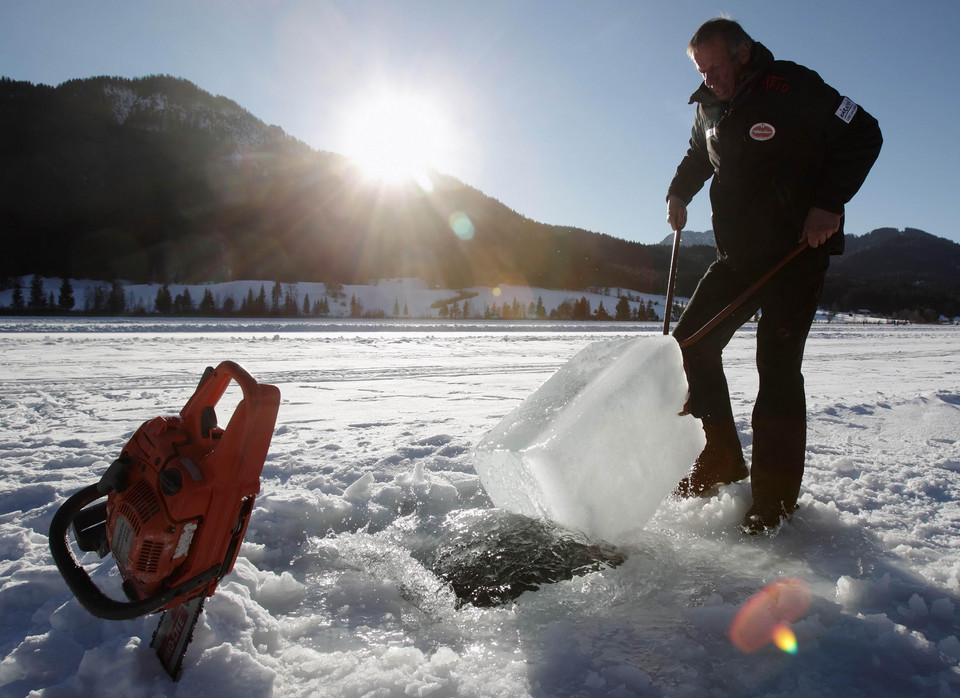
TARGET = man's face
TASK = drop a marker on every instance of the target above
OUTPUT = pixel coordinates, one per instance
(721, 71)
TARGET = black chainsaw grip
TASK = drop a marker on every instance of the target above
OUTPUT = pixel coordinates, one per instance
(87, 593)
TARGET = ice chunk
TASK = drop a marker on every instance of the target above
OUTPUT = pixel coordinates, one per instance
(598, 446)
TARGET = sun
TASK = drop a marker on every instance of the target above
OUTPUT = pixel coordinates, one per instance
(396, 137)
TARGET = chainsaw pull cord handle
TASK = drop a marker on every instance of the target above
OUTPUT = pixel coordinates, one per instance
(742, 298)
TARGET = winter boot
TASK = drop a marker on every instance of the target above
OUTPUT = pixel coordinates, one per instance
(779, 445)
(720, 463)
(762, 520)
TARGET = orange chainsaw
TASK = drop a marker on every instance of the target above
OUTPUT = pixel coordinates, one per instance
(178, 500)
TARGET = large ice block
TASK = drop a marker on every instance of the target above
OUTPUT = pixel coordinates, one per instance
(598, 446)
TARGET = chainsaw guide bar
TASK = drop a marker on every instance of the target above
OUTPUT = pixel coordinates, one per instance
(174, 633)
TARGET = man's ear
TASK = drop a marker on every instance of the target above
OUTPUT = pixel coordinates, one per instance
(743, 54)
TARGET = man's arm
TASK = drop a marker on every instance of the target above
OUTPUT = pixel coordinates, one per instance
(852, 140)
(692, 172)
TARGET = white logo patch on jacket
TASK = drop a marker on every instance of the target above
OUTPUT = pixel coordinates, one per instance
(847, 110)
(762, 131)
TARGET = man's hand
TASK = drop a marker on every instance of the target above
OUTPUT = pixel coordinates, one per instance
(819, 226)
(676, 212)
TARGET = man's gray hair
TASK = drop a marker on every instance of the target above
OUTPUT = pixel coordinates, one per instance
(727, 29)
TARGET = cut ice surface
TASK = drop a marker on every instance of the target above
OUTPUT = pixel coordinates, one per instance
(598, 446)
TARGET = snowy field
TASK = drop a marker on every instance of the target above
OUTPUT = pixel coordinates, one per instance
(372, 456)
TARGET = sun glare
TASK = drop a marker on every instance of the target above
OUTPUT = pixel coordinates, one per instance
(396, 137)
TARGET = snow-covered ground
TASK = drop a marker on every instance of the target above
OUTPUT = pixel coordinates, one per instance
(372, 455)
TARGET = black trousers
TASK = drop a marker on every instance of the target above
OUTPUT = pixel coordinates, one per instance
(787, 304)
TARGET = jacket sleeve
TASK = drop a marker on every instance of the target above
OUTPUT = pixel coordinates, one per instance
(695, 168)
(852, 142)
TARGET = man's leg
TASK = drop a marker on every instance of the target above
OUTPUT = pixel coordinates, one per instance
(722, 460)
(788, 305)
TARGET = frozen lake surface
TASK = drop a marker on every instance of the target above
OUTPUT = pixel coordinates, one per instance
(371, 465)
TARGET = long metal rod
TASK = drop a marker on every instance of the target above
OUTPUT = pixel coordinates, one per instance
(741, 299)
(671, 281)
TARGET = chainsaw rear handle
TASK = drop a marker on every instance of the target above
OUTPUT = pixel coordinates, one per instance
(89, 594)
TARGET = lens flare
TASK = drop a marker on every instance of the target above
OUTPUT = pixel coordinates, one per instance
(766, 616)
(785, 638)
(461, 224)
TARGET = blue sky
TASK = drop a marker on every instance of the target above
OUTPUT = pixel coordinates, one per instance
(571, 113)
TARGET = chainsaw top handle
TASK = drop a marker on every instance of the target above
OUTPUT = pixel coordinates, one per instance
(197, 415)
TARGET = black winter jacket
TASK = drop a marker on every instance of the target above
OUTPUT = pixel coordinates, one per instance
(786, 142)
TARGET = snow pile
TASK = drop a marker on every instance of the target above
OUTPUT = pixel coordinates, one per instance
(600, 445)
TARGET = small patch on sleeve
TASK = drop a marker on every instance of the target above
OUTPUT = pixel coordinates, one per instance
(847, 110)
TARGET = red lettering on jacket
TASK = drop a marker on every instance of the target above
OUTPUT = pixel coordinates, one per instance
(777, 84)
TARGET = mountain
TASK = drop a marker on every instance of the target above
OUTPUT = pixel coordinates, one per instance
(156, 180)
(908, 273)
(691, 238)
(899, 273)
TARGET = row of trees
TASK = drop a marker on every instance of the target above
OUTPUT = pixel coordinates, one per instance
(282, 303)
(39, 300)
(285, 302)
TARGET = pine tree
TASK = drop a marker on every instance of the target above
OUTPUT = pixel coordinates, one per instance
(275, 295)
(38, 299)
(117, 298)
(540, 312)
(17, 301)
(164, 301)
(290, 303)
(581, 309)
(306, 304)
(356, 307)
(623, 309)
(208, 306)
(100, 296)
(183, 303)
(66, 301)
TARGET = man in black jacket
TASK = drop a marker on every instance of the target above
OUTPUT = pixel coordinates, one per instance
(786, 151)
